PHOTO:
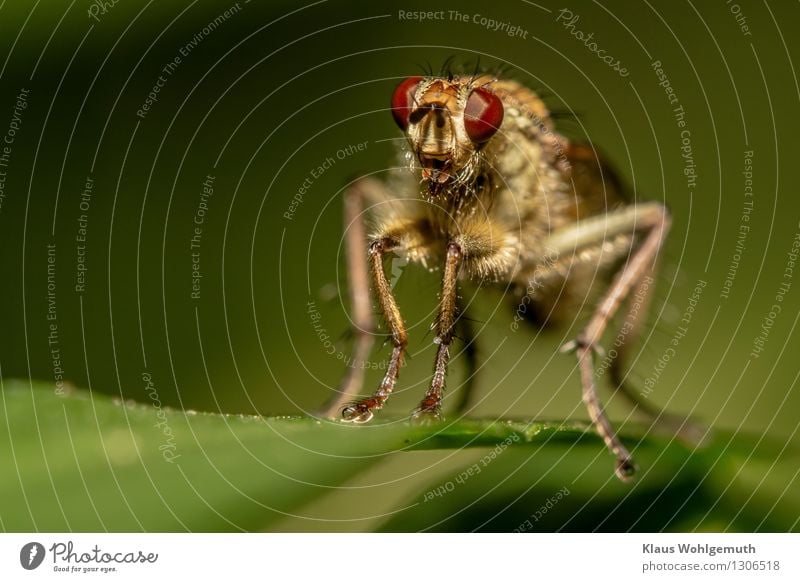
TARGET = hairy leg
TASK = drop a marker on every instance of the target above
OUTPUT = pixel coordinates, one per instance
(430, 407)
(652, 219)
(466, 333)
(627, 336)
(362, 410)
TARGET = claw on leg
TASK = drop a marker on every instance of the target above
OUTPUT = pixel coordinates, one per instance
(625, 469)
(429, 411)
(360, 412)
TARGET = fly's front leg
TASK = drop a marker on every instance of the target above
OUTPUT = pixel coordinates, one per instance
(358, 283)
(652, 219)
(430, 407)
(470, 354)
(362, 411)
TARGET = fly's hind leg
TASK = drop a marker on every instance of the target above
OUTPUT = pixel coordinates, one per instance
(653, 221)
(627, 336)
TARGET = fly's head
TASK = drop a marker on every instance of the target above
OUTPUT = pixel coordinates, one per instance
(448, 123)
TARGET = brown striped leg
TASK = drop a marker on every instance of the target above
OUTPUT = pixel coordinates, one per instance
(636, 317)
(362, 410)
(654, 220)
(430, 407)
(470, 353)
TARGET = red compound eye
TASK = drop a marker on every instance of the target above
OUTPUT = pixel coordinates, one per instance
(482, 115)
(403, 101)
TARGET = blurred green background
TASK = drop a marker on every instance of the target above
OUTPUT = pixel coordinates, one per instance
(264, 93)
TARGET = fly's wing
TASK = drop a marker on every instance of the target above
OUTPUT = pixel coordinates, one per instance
(596, 185)
(568, 287)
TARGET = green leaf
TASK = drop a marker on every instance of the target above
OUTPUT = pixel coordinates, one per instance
(86, 462)
(733, 483)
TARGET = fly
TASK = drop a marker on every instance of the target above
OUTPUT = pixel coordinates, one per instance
(495, 194)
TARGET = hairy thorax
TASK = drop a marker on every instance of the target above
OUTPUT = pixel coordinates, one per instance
(521, 190)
